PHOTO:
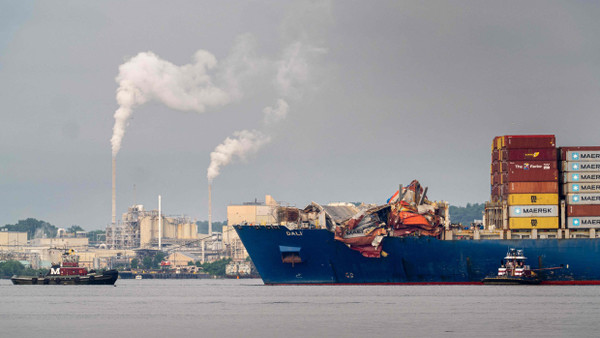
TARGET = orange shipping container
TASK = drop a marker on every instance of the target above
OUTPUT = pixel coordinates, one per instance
(531, 187)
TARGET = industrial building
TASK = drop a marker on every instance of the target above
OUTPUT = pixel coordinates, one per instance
(247, 213)
(12, 238)
(141, 228)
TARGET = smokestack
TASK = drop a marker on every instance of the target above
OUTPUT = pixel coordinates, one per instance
(114, 194)
(210, 209)
(159, 223)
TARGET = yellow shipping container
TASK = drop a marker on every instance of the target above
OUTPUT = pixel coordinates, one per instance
(533, 223)
(532, 199)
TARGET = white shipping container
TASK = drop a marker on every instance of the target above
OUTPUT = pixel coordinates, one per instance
(583, 198)
(580, 166)
(582, 177)
(583, 222)
(581, 187)
(583, 155)
(533, 211)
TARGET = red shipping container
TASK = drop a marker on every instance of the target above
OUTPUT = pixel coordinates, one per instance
(532, 154)
(532, 171)
(530, 176)
(529, 141)
(583, 210)
(496, 178)
(495, 167)
(529, 187)
(563, 151)
(530, 165)
(495, 155)
(496, 190)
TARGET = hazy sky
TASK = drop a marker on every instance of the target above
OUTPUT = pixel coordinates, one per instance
(377, 94)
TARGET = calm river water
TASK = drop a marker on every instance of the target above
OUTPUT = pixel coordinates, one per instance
(247, 308)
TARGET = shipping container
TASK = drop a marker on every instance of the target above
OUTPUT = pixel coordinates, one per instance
(533, 223)
(530, 175)
(583, 210)
(581, 177)
(496, 142)
(496, 190)
(586, 222)
(580, 166)
(495, 155)
(496, 178)
(581, 187)
(532, 154)
(586, 153)
(583, 198)
(533, 211)
(530, 165)
(530, 187)
(495, 166)
(532, 199)
(529, 141)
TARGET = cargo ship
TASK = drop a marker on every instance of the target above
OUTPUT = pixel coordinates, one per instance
(544, 200)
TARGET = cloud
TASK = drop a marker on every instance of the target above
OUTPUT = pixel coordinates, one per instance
(274, 115)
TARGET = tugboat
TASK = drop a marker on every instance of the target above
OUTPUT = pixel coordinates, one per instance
(513, 271)
(69, 272)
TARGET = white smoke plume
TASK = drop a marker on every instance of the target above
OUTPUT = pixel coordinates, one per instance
(146, 77)
(291, 76)
(293, 71)
(274, 115)
(189, 87)
(241, 64)
(243, 144)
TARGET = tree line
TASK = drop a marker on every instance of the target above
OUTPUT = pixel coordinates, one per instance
(467, 214)
(216, 268)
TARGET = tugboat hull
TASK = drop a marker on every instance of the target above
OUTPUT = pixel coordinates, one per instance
(503, 280)
(106, 278)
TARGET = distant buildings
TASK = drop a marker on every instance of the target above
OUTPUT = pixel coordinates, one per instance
(257, 213)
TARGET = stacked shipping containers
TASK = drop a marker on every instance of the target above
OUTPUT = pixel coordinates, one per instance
(581, 186)
(524, 175)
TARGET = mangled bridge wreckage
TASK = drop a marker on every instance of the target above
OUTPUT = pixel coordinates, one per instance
(362, 228)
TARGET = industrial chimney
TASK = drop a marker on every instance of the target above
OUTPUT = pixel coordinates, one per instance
(210, 209)
(159, 222)
(114, 194)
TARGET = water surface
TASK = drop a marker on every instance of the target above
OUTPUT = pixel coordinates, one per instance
(247, 308)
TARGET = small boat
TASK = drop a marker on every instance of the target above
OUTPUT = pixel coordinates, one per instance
(69, 272)
(513, 271)
(138, 277)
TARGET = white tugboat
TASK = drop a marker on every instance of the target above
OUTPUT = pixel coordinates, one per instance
(513, 271)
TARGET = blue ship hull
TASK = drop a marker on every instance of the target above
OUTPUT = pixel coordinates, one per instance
(317, 258)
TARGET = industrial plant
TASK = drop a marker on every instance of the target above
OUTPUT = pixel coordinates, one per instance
(141, 232)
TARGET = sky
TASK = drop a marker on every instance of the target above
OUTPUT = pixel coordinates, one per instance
(321, 101)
